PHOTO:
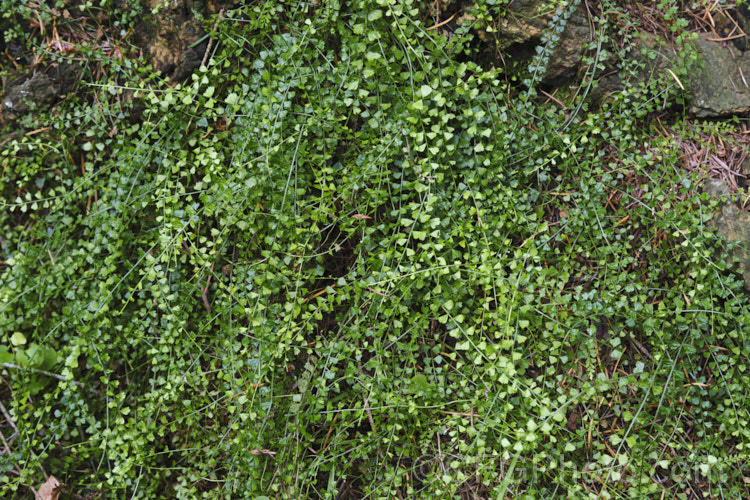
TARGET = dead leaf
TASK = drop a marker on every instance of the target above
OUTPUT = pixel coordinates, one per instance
(49, 490)
(361, 216)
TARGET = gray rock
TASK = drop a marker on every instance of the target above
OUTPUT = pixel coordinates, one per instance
(734, 224)
(652, 58)
(33, 94)
(716, 188)
(521, 30)
(722, 86)
(169, 33)
(174, 37)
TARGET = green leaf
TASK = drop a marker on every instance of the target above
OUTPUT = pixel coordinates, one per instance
(232, 98)
(5, 355)
(419, 382)
(18, 338)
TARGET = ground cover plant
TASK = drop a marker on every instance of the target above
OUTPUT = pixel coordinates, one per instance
(352, 258)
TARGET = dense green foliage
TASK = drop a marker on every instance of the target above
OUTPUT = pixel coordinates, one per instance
(347, 258)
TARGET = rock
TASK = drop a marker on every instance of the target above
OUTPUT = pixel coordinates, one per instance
(734, 224)
(169, 36)
(522, 24)
(652, 57)
(173, 36)
(216, 6)
(745, 173)
(716, 188)
(187, 62)
(521, 30)
(33, 94)
(722, 87)
(65, 75)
